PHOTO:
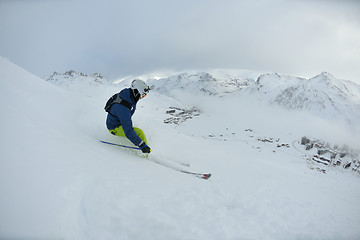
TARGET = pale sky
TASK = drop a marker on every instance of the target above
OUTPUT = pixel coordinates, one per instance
(119, 37)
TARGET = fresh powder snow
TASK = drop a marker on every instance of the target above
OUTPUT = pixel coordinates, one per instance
(58, 181)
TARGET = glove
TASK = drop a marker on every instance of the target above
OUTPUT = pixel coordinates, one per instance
(144, 148)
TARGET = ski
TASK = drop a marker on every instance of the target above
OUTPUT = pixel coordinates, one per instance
(180, 169)
(199, 175)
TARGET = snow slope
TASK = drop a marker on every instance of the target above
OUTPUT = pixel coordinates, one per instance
(58, 182)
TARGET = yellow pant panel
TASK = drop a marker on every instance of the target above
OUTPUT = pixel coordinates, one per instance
(119, 131)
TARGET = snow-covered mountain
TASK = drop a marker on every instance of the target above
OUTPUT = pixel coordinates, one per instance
(73, 80)
(323, 95)
(57, 181)
(202, 82)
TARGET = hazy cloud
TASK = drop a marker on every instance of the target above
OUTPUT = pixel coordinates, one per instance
(120, 37)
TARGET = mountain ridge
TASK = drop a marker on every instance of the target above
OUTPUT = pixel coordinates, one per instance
(323, 95)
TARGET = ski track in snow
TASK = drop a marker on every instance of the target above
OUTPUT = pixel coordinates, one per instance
(57, 181)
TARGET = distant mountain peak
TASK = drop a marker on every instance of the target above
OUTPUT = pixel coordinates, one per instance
(325, 78)
(262, 79)
(323, 95)
(200, 82)
(75, 80)
(74, 74)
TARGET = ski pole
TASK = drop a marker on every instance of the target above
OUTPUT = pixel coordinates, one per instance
(115, 144)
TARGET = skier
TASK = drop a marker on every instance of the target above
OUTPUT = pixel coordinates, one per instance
(121, 107)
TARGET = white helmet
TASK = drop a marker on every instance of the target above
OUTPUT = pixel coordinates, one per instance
(141, 86)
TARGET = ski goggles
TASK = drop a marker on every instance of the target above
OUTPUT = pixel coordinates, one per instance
(143, 95)
(146, 91)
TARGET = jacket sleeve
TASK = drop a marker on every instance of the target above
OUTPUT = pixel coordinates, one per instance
(124, 114)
